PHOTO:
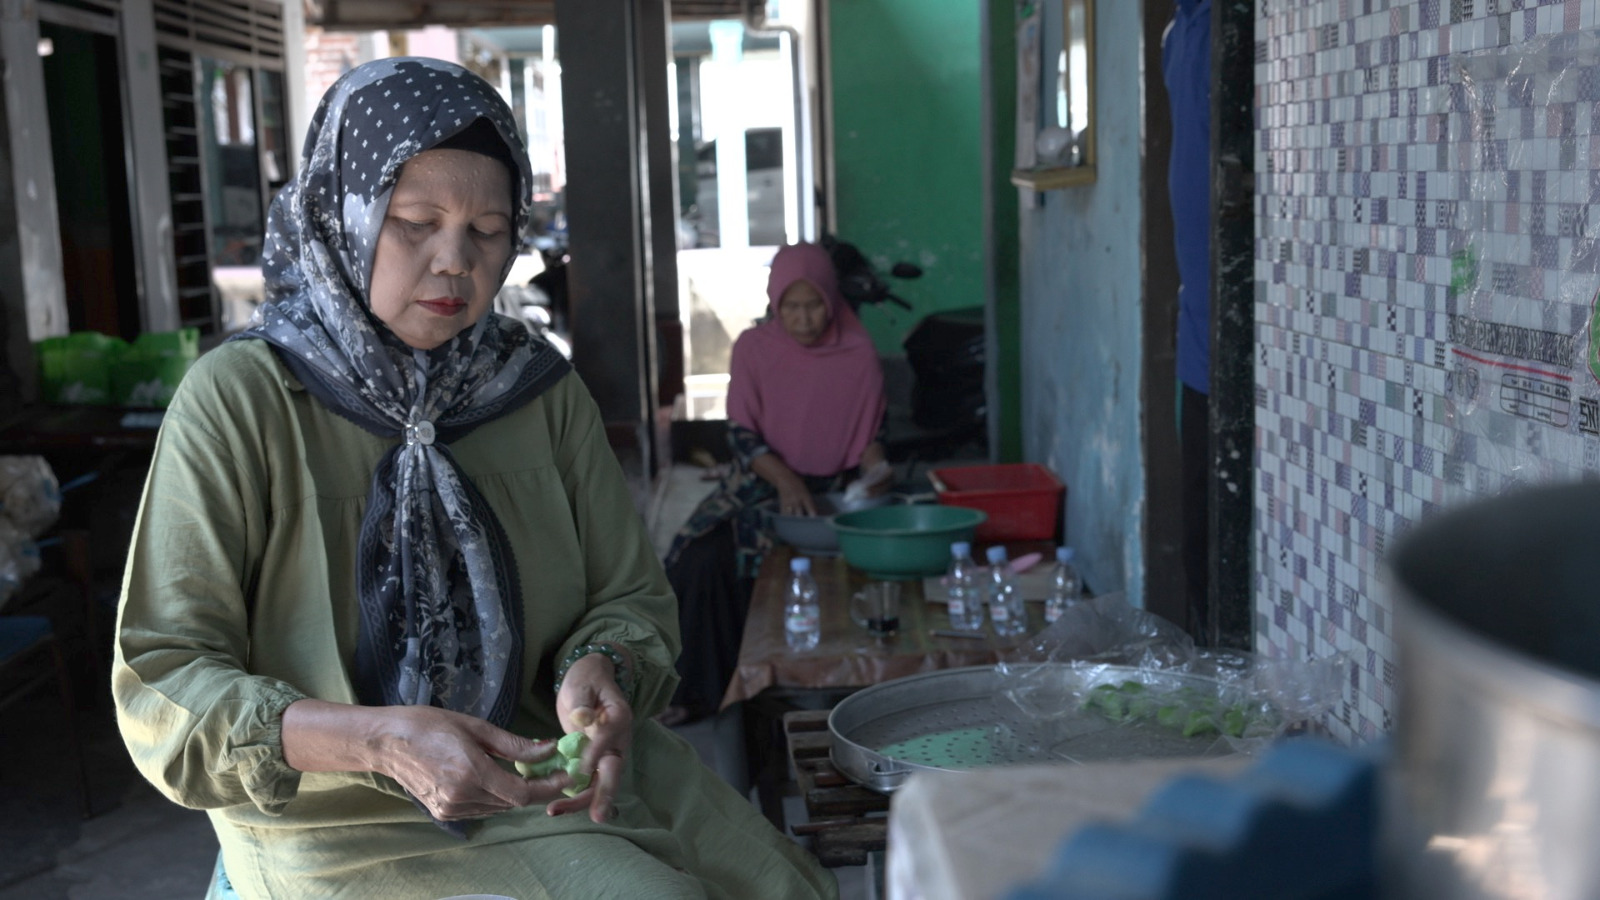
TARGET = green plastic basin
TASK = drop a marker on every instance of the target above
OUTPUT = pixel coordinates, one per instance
(898, 543)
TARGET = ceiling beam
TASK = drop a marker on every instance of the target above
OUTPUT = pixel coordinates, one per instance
(383, 15)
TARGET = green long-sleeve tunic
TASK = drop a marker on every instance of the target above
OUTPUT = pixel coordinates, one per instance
(240, 598)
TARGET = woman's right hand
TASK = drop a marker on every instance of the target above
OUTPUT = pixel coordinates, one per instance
(444, 759)
(795, 500)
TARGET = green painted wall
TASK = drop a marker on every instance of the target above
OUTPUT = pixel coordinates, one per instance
(907, 144)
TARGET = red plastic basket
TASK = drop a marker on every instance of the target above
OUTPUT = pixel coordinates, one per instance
(1023, 500)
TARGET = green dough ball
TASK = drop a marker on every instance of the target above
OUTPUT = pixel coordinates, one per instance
(1200, 722)
(571, 745)
(580, 779)
(1233, 721)
(541, 768)
(567, 758)
(1170, 716)
(1141, 708)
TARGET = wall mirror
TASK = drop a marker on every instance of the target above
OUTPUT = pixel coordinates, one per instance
(1055, 97)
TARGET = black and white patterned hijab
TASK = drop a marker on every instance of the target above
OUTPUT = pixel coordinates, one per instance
(441, 611)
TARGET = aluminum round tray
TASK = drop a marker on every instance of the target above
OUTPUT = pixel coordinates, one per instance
(959, 719)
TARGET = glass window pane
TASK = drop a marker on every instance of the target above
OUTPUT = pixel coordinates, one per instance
(230, 162)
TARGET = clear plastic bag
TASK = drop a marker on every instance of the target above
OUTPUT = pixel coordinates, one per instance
(1106, 629)
(30, 502)
(30, 496)
(19, 559)
(1139, 671)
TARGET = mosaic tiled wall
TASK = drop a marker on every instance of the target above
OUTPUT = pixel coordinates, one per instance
(1425, 272)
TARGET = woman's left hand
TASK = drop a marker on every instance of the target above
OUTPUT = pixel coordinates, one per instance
(590, 701)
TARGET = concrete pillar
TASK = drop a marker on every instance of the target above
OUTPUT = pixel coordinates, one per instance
(1233, 408)
(607, 88)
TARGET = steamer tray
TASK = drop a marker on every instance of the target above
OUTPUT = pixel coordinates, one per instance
(959, 719)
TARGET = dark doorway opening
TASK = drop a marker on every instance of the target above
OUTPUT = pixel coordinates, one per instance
(83, 87)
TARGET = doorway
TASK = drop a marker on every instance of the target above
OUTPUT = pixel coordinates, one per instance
(83, 91)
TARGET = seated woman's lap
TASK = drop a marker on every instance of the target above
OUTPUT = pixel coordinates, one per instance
(578, 866)
(607, 867)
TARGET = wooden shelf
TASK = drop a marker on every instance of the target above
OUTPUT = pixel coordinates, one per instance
(1053, 178)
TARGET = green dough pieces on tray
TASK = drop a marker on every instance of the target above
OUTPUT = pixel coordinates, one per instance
(568, 758)
(1193, 713)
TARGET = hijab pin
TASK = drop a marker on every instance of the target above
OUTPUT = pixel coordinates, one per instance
(420, 433)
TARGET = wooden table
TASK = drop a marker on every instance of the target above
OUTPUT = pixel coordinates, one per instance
(847, 657)
(772, 679)
(65, 428)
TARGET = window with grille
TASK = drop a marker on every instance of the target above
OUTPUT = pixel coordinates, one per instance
(222, 88)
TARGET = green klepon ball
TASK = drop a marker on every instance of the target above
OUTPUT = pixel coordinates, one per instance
(568, 757)
(571, 745)
(580, 779)
(539, 769)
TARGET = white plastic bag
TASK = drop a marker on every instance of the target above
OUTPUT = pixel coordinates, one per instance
(30, 497)
(860, 490)
(19, 559)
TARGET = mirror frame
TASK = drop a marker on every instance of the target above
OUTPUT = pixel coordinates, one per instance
(1045, 178)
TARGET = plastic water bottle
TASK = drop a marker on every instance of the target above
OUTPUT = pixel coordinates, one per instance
(961, 585)
(1005, 601)
(802, 617)
(1065, 585)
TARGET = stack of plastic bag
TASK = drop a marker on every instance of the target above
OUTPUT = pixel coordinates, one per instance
(30, 502)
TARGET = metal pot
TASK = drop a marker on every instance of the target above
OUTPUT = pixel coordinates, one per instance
(1493, 786)
(815, 534)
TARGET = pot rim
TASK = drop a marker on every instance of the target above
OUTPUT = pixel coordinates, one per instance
(978, 517)
(1535, 685)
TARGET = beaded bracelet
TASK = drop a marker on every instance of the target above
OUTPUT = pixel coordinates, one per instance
(624, 675)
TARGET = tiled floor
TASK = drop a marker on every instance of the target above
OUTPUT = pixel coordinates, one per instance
(138, 846)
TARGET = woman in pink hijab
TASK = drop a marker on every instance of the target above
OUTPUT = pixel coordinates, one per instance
(805, 405)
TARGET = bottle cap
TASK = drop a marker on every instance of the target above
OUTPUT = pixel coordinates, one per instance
(1064, 554)
(800, 564)
(960, 548)
(997, 554)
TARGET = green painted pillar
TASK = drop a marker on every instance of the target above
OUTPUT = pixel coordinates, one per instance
(908, 146)
(916, 96)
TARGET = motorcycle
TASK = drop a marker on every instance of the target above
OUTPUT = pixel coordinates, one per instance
(946, 353)
(859, 281)
(541, 304)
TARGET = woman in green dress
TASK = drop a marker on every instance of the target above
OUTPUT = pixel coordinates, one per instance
(385, 553)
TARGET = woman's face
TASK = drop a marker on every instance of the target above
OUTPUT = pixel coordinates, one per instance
(804, 312)
(443, 246)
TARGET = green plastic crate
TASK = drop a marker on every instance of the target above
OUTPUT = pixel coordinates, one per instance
(76, 368)
(149, 372)
(87, 367)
